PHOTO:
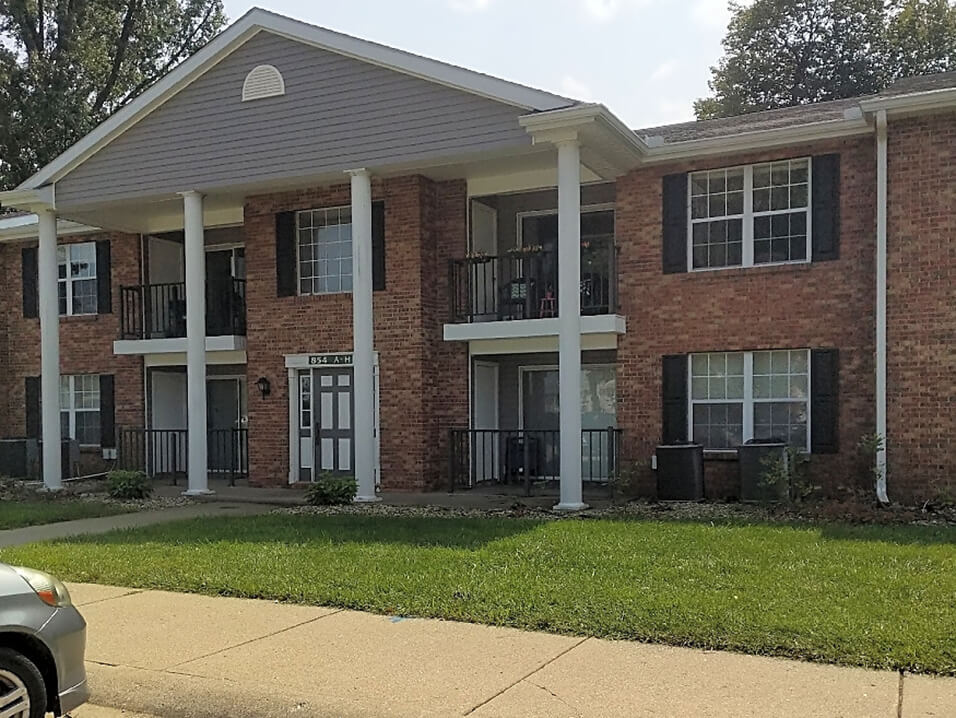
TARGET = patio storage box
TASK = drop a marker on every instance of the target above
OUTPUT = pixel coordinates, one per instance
(756, 486)
(680, 472)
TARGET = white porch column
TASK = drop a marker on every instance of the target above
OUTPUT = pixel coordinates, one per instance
(195, 254)
(49, 312)
(363, 378)
(569, 321)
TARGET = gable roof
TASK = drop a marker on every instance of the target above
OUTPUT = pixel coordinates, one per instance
(258, 20)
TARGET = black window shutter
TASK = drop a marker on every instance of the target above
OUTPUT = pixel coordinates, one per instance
(285, 254)
(378, 246)
(31, 276)
(107, 412)
(104, 290)
(32, 403)
(674, 399)
(824, 401)
(674, 217)
(825, 220)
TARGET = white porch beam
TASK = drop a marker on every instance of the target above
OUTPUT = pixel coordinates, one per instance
(363, 372)
(569, 319)
(49, 312)
(195, 259)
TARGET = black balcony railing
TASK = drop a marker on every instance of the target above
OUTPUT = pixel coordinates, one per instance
(522, 456)
(164, 453)
(523, 283)
(158, 311)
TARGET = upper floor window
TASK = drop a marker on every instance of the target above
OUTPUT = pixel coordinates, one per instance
(324, 246)
(737, 396)
(80, 408)
(750, 215)
(76, 285)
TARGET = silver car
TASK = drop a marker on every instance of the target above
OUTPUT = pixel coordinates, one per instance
(42, 642)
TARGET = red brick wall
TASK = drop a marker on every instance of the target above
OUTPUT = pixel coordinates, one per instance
(424, 223)
(823, 304)
(86, 342)
(921, 308)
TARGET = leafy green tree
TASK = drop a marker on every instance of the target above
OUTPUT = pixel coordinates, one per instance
(921, 38)
(66, 65)
(780, 53)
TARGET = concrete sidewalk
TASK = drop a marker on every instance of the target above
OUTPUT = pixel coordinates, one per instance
(185, 656)
(104, 524)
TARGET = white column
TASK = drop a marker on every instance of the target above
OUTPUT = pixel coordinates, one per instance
(569, 321)
(363, 379)
(195, 258)
(49, 350)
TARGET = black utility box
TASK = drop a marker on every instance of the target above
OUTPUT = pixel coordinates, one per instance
(680, 472)
(19, 458)
(756, 458)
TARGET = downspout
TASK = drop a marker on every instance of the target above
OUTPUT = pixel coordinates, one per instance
(881, 197)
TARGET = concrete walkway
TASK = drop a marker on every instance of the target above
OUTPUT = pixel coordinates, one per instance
(104, 524)
(185, 656)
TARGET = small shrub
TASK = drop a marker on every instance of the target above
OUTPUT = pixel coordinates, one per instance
(625, 482)
(869, 446)
(128, 485)
(331, 490)
(789, 469)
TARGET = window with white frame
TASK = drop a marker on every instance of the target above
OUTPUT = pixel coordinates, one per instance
(80, 408)
(750, 215)
(76, 285)
(738, 396)
(324, 245)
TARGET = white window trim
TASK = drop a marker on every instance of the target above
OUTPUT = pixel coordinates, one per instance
(748, 400)
(72, 409)
(298, 263)
(68, 280)
(747, 256)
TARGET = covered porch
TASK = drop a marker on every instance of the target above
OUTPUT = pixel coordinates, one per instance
(514, 437)
(161, 449)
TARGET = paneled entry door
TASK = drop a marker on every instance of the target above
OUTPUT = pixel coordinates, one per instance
(334, 436)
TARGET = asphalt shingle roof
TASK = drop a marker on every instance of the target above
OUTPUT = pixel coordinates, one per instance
(790, 116)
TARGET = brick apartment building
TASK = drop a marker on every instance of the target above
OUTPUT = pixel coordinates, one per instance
(302, 252)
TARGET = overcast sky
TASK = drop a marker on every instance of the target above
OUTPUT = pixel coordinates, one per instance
(647, 60)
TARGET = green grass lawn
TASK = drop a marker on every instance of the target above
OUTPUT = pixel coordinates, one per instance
(16, 514)
(882, 597)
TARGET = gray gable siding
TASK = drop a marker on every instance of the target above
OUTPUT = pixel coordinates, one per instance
(337, 113)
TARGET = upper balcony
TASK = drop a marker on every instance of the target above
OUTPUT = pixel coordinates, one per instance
(158, 311)
(505, 292)
(523, 283)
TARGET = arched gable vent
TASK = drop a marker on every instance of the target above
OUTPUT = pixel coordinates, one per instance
(261, 82)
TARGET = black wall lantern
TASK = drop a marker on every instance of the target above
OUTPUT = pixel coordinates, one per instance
(264, 387)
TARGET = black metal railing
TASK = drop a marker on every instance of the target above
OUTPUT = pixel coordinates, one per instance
(522, 456)
(158, 311)
(164, 453)
(523, 283)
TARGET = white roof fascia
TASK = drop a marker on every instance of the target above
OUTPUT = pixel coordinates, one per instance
(759, 139)
(912, 102)
(25, 227)
(29, 199)
(583, 119)
(257, 20)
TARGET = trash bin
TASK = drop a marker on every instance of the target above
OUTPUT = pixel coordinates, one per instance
(755, 459)
(680, 472)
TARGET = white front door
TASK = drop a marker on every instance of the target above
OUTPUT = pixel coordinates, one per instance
(485, 438)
